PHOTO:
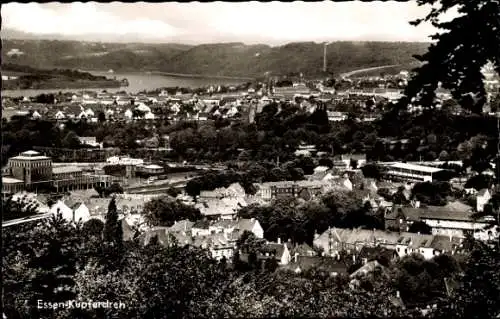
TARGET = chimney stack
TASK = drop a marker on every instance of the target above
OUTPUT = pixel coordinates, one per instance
(279, 240)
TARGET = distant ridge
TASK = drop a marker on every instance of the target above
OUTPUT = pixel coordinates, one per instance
(230, 59)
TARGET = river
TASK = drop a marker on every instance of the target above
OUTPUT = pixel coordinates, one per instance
(138, 81)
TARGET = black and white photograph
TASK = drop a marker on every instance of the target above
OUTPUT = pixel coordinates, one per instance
(328, 159)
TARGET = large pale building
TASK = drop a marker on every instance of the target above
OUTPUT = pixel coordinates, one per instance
(31, 167)
(412, 172)
(32, 171)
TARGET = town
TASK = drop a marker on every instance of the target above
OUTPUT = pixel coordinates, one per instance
(289, 195)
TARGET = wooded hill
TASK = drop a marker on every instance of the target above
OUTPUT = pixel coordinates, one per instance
(229, 59)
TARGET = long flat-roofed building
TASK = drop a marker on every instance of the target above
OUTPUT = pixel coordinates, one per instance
(412, 172)
(32, 171)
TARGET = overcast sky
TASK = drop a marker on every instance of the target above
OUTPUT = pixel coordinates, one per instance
(248, 22)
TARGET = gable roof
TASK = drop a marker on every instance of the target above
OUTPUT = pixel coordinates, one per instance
(448, 212)
(329, 264)
(483, 192)
(367, 268)
(183, 225)
(371, 253)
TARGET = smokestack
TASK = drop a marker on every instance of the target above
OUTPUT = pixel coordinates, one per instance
(324, 57)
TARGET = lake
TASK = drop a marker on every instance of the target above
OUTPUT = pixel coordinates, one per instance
(138, 81)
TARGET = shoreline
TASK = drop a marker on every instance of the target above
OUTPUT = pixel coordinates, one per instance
(201, 76)
(172, 74)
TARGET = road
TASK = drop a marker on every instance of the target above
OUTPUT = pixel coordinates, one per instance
(351, 73)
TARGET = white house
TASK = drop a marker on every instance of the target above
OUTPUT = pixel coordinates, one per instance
(143, 108)
(417, 244)
(128, 114)
(59, 115)
(282, 253)
(61, 208)
(482, 198)
(149, 116)
(241, 225)
(82, 213)
(36, 115)
(89, 112)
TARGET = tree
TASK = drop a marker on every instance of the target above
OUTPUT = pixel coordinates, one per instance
(420, 227)
(39, 261)
(71, 140)
(101, 117)
(114, 188)
(113, 232)
(165, 212)
(325, 162)
(93, 228)
(479, 182)
(479, 287)
(17, 208)
(448, 60)
(434, 193)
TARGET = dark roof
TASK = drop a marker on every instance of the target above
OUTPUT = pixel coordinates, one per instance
(303, 250)
(276, 249)
(329, 264)
(447, 212)
(444, 243)
(203, 224)
(371, 253)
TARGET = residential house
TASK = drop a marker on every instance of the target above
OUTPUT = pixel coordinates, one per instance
(378, 253)
(220, 245)
(89, 140)
(428, 246)
(149, 116)
(336, 240)
(128, 114)
(319, 173)
(415, 243)
(454, 219)
(201, 228)
(225, 208)
(165, 237)
(59, 115)
(79, 213)
(482, 198)
(367, 268)
(239, 225)
(299, 189)
(36, 115)
(330, 265)
(337, 116)
(279, 251)
(182, 226)
(358, 160)
(303, 250)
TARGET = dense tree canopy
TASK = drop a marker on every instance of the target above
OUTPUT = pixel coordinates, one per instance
(474, 33)
(165, 211)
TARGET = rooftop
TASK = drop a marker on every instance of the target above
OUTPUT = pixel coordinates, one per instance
(66, 169)
(414, 167)
(30, 155)
(10, 180)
